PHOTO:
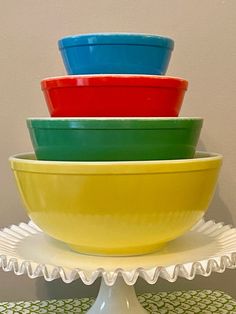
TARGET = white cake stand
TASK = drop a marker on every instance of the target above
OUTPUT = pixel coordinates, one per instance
(208, 247)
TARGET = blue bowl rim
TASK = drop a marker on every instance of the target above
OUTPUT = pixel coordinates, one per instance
(140, 39)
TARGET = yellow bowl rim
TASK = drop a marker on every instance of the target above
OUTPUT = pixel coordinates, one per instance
(202, 161)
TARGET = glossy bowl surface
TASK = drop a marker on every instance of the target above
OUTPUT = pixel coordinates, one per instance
(114, 53)
(116, 208)
(114, 139)
(114, 95)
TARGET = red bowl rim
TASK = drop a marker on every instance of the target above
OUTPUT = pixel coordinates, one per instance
(114, 80)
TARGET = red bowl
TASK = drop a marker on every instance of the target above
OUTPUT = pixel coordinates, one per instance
(114, 95)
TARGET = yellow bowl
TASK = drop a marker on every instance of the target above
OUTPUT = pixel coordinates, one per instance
(116, 208)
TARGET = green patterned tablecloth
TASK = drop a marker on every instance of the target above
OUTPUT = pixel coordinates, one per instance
(190, 302)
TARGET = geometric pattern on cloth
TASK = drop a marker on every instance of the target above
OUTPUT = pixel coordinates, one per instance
(179, 302)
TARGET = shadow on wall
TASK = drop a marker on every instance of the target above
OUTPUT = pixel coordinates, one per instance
(214, 282)
(57, 289)
(218, 210)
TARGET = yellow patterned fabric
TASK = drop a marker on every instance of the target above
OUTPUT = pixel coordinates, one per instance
(189, 302)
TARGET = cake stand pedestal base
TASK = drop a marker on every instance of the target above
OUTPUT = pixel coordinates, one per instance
(117, 299)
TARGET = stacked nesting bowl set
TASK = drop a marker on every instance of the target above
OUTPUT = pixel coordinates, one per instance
(115, 170)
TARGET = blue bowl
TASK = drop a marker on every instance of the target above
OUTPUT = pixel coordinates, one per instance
(116, 53)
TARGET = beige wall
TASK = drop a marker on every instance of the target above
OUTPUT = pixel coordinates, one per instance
(205, 54)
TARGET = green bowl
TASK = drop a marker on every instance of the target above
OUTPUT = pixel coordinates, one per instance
(114, 139)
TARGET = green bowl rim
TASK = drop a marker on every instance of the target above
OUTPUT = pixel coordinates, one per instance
(115, 123)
